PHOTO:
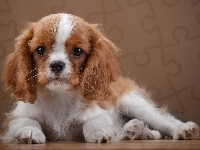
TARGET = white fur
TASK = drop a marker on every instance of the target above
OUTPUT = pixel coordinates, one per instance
(103, 125)
(58, 86)
(64, 30)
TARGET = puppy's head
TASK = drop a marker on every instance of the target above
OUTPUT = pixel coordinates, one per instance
(61, 52)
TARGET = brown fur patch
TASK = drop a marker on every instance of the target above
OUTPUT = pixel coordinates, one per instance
(18, 73)
(77, 39)
(122, 86)
(101, 68)
(24, 68)
(44, 35)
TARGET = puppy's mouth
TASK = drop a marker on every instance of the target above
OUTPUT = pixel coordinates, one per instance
(58, 83)
(57, 76)
(58, 79)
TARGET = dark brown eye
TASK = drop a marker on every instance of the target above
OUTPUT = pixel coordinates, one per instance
(40, 50)
(77, 52)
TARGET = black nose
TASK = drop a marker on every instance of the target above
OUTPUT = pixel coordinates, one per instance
(57, 66)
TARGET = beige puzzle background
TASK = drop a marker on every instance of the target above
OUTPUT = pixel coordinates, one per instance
(159, 42)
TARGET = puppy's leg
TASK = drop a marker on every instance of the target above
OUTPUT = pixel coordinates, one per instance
(135, 105)
(100, 129)
(101, 126)
(136, 130)
(24, 130)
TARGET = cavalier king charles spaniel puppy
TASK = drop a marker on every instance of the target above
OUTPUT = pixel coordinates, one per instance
(65, 76)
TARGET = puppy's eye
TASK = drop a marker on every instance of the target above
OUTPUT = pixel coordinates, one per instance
(77, 52)
(40, 50)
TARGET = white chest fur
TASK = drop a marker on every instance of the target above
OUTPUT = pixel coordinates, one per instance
(56, 112)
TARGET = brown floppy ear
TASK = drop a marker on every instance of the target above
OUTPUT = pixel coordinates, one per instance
(101, 68)
(19, 72)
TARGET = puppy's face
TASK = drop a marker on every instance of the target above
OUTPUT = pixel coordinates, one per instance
(61, 52)
(60, 45)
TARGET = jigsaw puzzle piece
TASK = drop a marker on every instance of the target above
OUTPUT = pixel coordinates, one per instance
(7, 40)
(154, 22)
(104, 17)
(185, 50)
(179, 33)
(5, 7)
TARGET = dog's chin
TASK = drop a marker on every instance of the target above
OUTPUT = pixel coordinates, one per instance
(58, 85)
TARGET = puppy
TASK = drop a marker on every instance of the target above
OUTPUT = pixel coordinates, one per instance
(66, 78)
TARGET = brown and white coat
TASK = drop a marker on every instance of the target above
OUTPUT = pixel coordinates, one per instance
(65, 76)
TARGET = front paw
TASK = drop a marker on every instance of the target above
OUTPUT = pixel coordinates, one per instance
(189, 130)
(29, 135)
(101, 134)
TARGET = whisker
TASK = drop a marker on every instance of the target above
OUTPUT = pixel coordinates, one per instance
(32, 70)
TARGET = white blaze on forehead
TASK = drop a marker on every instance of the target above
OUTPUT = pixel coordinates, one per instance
(64, 29)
